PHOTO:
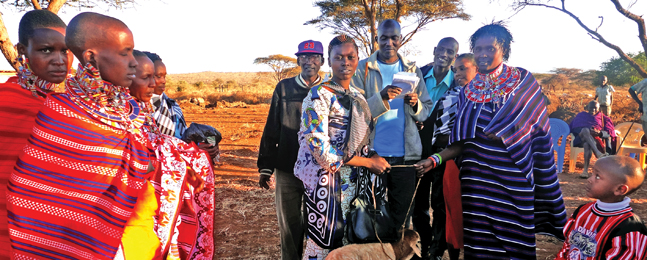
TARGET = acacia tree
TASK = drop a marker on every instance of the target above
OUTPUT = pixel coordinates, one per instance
(7, 47)
(518, 5)
(360, 18)
(620, 73)
(283, 66)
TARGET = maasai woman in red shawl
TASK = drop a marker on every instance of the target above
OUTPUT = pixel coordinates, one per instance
(509, 184)
(45, 64)
(184, 184)
(74, 187)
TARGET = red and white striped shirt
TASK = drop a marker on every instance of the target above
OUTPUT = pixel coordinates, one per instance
(599, 230)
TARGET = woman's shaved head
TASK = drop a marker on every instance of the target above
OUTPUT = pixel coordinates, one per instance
(90, 30)
(105, 43)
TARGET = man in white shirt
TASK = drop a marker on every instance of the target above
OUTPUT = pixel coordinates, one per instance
(605, 93)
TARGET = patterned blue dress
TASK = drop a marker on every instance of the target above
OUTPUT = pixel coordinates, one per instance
(510, 189)
(330, 185)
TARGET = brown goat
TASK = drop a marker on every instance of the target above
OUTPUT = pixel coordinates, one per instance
(400, 250)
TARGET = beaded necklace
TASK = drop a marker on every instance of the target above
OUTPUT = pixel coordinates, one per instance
(29, 81)
(104, 101)
(493, 87)
(149, 123)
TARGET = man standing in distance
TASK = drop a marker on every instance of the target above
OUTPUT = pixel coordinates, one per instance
(395, 137)
(439, 79)
(605, 93)
(280, 145)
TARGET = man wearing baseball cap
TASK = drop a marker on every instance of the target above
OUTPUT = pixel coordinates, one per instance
(279, 146)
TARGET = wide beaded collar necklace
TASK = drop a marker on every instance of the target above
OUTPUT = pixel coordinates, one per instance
(493, 87)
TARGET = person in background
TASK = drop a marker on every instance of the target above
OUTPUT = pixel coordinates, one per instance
(464, 71)
(41, 41)
(181, 168)
(333, 147)
(280, 145)
(607, 228)
(510, 190)
(640, 88)
(591, 129)
(605, 93)
(395, 137)
(168, 113)
(439, 79)
(139, 240)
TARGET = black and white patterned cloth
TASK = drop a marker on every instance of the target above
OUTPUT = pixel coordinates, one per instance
(163, 115)
(445, 112)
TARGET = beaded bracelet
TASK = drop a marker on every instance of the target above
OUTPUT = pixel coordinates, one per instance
(436, 158)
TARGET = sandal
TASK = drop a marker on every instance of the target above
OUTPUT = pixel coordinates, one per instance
(584, 175)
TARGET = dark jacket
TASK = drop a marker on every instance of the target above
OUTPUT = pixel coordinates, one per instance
(429, 126)
(425, 69)
(280, 144)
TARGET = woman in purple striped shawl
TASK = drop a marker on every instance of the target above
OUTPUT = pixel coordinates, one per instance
(502, 144)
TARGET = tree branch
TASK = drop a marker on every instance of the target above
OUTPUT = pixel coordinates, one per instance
(596, 36)
(398, 10)
(7, 47)
(639, 21)
(360, 18)
(55, 5)
(36, 4)
(601, 21)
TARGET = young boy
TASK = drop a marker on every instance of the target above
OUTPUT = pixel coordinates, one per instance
(607, 228)
(41, 35)
(76, 184)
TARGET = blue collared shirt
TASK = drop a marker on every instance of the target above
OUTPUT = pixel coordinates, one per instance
(437, 90)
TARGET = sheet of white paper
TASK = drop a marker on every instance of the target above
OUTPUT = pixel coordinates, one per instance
(406, 81)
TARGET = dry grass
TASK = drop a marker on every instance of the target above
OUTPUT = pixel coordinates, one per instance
(247, 219)
(247, 87)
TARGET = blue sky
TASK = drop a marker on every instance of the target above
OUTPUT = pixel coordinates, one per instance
(226, 36)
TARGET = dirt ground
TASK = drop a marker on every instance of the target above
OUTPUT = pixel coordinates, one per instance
(245, 224)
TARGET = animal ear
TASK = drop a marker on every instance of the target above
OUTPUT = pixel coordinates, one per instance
(415, 245)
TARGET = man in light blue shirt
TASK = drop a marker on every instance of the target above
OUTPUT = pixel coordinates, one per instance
(444, 55)
(439, 78)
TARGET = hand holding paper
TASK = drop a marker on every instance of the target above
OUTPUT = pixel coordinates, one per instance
(390, 92)
(411, 99)
(405, 81)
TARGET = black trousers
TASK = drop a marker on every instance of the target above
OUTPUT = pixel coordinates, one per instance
(289, 202)
(401, 184)
(432, 238)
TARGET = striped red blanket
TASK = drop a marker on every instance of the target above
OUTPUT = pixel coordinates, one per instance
(75, 185)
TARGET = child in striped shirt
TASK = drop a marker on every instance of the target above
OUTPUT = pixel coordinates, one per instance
(607, 228)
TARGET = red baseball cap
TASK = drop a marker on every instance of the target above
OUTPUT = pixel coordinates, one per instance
(310, 47)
